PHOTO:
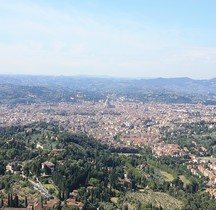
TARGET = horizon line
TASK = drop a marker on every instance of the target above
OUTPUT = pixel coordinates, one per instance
(102, 76)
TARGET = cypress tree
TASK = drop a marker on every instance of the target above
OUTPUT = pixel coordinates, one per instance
(16, 201)
(63, 195)
(26, 201)
(9, 202)
(2, 202)
(41, 201)
(59, 195)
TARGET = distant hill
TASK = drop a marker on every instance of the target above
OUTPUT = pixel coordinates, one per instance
(82, 82)
(62, 88)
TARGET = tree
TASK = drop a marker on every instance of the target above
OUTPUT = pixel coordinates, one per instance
(16, 201)
(26, 201)
(9, 200)
(125, 206)
(2, 168)
(2, 202)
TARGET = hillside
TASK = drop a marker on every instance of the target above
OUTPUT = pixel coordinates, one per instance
(23, 89)
(85, 166)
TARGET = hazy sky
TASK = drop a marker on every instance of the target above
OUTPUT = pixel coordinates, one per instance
(126, 38)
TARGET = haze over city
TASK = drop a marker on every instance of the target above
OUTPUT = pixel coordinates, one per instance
(114, 38)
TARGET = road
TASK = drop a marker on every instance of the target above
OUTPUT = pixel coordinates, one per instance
(39, 187)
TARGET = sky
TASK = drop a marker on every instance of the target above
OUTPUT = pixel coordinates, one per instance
(118, 38)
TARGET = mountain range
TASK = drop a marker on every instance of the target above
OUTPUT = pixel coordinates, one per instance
(62, 88)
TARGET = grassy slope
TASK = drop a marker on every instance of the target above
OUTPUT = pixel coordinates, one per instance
(184, 179)
(168, 177)
(156, 198)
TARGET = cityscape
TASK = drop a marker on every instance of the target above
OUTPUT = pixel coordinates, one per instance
(127, 127)
(107, 105)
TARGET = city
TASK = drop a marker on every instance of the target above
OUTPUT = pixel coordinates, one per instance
(126, 124)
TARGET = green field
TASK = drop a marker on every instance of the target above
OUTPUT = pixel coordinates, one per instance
(184, 179)
(155, 198)
(114, 199)
(51, 186)
(168, 177)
